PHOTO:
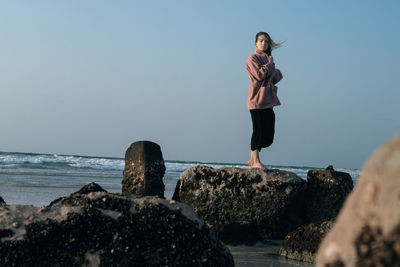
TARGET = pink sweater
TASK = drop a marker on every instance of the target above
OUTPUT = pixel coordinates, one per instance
(263, 77)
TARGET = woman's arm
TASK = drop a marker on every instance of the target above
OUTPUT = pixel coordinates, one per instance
(258, 72)
(277, 76)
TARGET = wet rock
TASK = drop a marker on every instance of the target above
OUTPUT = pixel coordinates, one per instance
(144, 170)
(244, 205)
(326, 192)
(103, 229)
(302, 244)
(92, 187)
(367, 230)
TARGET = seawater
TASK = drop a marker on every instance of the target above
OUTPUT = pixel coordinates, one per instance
(38, 179)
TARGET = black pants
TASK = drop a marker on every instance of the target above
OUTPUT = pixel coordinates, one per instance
(263, 128)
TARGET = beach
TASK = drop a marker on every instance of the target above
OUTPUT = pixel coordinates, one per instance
(38, 179)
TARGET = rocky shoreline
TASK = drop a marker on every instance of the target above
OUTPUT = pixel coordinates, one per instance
(96, 228)
(245, 206)
(210, 209)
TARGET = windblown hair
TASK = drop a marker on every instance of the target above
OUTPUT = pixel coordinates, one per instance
(272, 44)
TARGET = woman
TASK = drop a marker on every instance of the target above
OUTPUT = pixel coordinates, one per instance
(262, 96)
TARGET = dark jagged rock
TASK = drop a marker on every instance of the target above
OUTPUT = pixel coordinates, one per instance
(144, 170)
(92, 187)
(104, 229)
(244, 205)
(367, 229)
(303, 243)
(326, 192)
(2, 202)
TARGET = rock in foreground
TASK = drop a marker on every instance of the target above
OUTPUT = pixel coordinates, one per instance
(367, 230)
(244, 205)
(303, 243)
(102, 229)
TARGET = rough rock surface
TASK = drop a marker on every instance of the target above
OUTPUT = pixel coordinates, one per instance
(326, 192)
(2, 202)
(244, 205)
(102, 229)
(367, 230)
(144, 170)
(303, 243)
(92, 187)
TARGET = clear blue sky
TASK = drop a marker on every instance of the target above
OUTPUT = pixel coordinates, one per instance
(91, 77)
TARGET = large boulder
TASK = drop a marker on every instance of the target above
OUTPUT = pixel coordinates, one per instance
(303, 243)
(97, 228)
(144, 170)
(326, 192)
(244, 205)
(367, 230)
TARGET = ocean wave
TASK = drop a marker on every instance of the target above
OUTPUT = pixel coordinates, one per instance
(54, 161)
(69, 164)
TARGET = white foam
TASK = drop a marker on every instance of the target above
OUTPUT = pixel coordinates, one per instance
(11, 160)
(98, 163)
(6, 160)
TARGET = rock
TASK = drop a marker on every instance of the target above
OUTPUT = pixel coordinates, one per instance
(92, 187)
(2, 202)
(104, 229)
(244, 205)
(144, 170)
(367, 230)
(325, 195)
(326, 192)
(303, 243)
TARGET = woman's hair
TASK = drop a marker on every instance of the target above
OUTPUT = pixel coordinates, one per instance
(272, 44)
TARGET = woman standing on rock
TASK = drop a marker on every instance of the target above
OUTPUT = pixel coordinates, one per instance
(262, 96)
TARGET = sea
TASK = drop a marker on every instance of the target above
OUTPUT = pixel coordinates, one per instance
(38, 179)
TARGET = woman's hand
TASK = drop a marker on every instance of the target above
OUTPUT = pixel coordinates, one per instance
(277, 76)
(270, 59)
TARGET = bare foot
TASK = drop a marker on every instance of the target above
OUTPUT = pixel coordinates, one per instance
(259, 165)
(250, 162)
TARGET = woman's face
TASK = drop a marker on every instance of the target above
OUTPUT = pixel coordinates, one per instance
(262, 42)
